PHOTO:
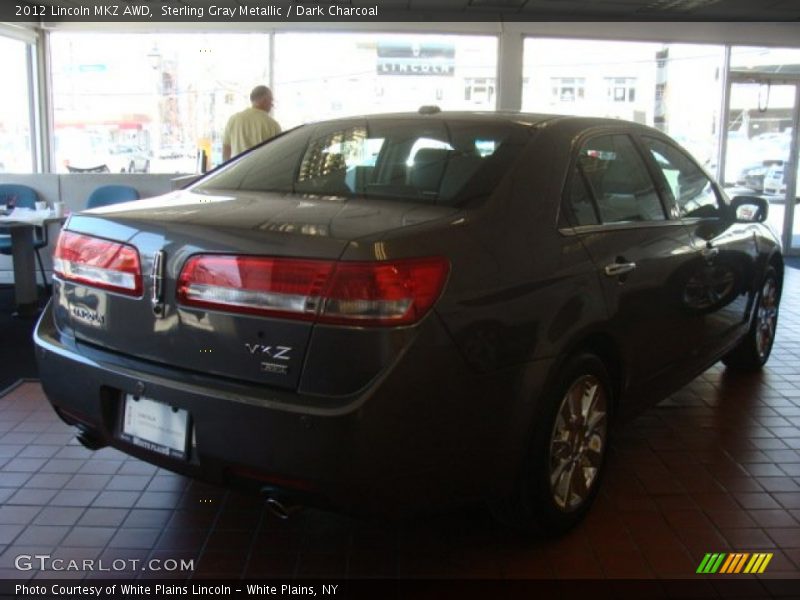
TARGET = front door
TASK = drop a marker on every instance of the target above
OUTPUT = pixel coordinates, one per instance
(719, 284)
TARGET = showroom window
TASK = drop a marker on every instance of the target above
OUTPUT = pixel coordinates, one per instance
(320, 76)
(147, 103)
(674, 87)
(764, 60)
(16, 138)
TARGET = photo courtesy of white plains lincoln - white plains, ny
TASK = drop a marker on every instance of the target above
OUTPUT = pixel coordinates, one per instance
(160, 589)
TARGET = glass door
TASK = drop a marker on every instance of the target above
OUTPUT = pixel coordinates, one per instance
(761, 148)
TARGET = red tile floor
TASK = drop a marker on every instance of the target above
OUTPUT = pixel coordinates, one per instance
(715, 468)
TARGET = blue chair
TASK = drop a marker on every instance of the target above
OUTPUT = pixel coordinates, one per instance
(22, 197)
(111, 194)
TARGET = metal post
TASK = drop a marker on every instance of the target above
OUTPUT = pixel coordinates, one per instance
(272, 61)
(725, 114)
(33, 128)
(509, 70)
(44, 102)
(790, 176)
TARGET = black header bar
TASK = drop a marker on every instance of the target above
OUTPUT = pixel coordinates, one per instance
(332, 11)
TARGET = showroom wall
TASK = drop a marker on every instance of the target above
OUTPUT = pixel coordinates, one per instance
(141, 99)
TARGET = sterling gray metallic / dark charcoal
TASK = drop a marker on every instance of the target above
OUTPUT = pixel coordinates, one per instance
(393, 313)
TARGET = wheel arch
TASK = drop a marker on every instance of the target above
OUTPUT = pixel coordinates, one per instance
(776, 262)
(607, 348)
(513, 504)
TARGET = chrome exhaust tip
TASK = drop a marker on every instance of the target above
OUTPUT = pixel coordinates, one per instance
(278, 509)
(89, 440)
(278, 505)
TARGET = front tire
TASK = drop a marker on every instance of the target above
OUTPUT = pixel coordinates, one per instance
(566, 458)
(753, 351)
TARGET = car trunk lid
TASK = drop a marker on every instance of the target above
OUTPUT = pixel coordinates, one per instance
(170, 230)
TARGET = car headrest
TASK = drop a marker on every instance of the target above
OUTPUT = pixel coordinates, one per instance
(429, 165)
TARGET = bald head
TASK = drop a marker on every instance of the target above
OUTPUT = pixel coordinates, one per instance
(261, 97)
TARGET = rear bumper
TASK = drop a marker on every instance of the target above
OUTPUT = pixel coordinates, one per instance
(427, 433)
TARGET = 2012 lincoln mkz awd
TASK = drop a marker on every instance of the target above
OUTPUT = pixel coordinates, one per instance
(393, 313)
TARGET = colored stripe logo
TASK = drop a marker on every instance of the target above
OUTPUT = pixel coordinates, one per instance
(734, 563)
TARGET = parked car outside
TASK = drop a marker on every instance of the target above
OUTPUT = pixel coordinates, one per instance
(115, 159)
(393, 313)
(128, 158)
(764, 152)
(775, 180)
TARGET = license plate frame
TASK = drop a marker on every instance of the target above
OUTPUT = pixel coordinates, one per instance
(156, 426)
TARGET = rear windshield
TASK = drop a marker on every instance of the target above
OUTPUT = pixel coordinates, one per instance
(425, 160)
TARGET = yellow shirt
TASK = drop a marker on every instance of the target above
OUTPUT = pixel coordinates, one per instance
(248, 128)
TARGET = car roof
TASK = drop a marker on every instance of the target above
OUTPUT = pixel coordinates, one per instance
(481, 116)
(524, 119)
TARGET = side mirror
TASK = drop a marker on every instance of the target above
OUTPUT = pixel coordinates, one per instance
(749, 209)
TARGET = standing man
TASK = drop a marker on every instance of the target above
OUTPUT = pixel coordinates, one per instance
(251, 126)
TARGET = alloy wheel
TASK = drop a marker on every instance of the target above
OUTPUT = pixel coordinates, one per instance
(767, 317)
(578, 442)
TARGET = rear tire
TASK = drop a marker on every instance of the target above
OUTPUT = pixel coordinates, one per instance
(753, 351)
(566, 456)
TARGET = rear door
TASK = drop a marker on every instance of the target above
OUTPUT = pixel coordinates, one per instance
(638, 249)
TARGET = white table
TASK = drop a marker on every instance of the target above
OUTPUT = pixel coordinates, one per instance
(21, 225)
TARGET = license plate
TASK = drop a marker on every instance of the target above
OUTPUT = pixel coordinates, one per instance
(155, 426)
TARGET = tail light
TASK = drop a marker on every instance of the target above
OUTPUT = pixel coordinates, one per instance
(98, 263)
(289, 288)
(398, 292)
(354, 293)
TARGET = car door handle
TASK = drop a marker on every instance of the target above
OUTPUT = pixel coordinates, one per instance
(617, 269)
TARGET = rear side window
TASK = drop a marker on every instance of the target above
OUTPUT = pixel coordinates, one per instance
(581, 209)
(690, 188)
(611, 178)
(434, 161)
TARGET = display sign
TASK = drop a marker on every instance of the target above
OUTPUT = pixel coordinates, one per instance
(416, 58)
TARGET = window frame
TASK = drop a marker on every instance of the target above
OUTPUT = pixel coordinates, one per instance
(663, 185)
(568, 228)
(627, 84)
(559, 84)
